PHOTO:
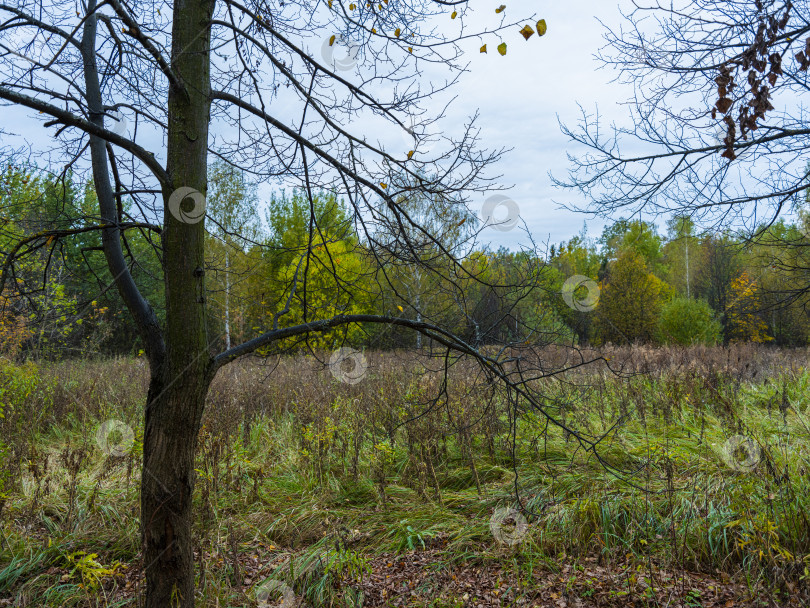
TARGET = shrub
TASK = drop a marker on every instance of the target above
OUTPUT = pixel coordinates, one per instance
(686, 321)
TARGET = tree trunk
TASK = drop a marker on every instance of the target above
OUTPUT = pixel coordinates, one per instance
(167, 486)
(688, 289)
(178, 388)
(227, 300)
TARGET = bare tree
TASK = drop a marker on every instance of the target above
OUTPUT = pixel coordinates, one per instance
(144, 100)
(718, 129)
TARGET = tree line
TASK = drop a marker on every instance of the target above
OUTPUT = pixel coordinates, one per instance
(632, 284)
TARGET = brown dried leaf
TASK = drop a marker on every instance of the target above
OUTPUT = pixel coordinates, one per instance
(724, 104)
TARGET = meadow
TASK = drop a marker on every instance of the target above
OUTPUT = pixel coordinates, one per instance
(315, 492)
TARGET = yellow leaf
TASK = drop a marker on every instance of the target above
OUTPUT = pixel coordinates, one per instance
(400, 310)
(379, 6)
(527, 31)
(330, 3)
(501, 8)
(484, 49)
(383, 186)
(454, 15)
(352, 6)
(541, 27)
(397, 32)
(410, 154)
(502, 48)
(373, 31)
(410, 49)
(332, 40)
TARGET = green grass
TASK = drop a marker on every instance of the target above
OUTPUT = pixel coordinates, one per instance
(286, 486)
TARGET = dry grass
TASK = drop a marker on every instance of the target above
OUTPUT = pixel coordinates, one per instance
(294, 465)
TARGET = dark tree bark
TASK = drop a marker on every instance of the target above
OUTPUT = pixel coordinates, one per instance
(178, 388)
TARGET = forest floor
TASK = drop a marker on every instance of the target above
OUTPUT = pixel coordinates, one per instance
(429, 577)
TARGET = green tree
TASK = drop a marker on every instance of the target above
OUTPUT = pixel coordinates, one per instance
(412, 265)
(720, 262)
(311, 265)
(636, 235)
(630, 301)
(510, 297)
(577, 257)
(781, 272)
(51, 241)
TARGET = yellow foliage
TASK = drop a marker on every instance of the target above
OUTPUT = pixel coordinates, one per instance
(741, 313)
(14, 330)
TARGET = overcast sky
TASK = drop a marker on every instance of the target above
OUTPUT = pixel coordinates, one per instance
(521, 95)
(519, 98)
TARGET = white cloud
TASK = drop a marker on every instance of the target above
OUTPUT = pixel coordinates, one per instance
(520, 97)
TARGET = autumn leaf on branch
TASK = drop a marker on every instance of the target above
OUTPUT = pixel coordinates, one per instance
(758, 63)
